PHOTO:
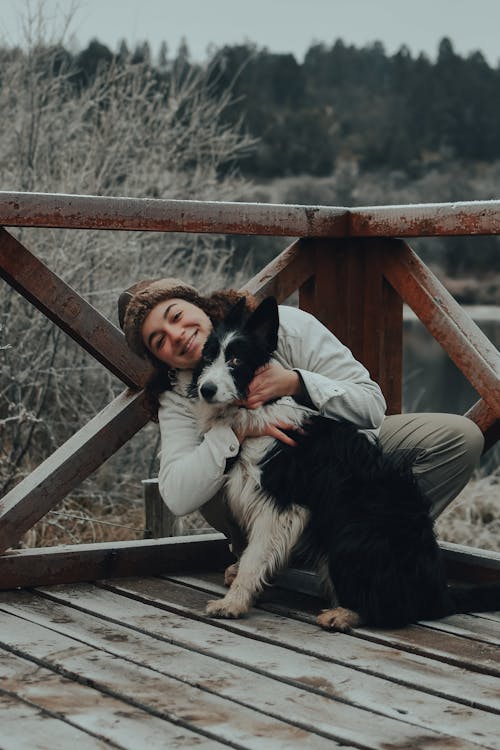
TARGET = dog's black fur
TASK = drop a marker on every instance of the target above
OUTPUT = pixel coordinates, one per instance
(372, 522)
(368, 519)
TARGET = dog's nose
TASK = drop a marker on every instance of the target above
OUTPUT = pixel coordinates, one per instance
(208, 391)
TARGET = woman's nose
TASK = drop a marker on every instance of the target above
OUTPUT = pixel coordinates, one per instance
(175, 332)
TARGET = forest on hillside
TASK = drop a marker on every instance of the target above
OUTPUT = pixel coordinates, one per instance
(342, 102)
(347, 126)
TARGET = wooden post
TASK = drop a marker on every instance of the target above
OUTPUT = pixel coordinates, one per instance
(350, 295)
(160, 521)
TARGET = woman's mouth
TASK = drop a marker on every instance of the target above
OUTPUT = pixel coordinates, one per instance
(186, 348)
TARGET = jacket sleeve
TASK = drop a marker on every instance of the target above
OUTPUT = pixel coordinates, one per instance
(338, 386)
(191, 465)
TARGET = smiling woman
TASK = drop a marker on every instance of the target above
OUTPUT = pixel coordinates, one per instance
(168, 322)
(175, 331)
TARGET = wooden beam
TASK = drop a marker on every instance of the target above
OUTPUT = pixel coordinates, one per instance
(61, 304)
(460, 337)
(463, 564)
(352, 298)
(89, 562)
(426, 219)
(144, 214)
(284, 274)
(69, 465)
(469, 564)
(150, 215)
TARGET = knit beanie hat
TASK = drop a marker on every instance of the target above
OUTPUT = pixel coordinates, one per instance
(136, 302)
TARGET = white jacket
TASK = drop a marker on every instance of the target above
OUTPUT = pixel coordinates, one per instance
(192, 465)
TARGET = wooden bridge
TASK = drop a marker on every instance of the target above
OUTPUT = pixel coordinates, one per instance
(107, 644)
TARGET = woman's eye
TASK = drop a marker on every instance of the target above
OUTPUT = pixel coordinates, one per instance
(234, 362)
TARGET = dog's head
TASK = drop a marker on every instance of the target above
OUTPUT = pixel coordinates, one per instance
(233, 352)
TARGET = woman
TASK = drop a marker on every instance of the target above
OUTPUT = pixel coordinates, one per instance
(168, 322)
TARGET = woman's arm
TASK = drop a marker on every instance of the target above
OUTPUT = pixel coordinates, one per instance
(191, 465)
(331, 379)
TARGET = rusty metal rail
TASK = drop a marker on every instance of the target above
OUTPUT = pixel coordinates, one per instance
(349, 273)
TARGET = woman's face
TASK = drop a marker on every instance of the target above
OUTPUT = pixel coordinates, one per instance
(175, 331)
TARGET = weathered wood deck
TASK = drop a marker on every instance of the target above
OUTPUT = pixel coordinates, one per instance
(134, 663)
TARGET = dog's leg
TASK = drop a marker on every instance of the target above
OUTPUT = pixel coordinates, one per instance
(271, 540)
(327, 587)
(335, 617)
(338, 618)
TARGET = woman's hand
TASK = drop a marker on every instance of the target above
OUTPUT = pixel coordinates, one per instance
(270, 382)
(274, 430)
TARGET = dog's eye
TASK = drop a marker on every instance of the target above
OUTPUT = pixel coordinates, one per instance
(234, 362)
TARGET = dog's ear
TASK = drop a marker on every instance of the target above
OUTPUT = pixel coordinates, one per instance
(236, 314)
(264, 323)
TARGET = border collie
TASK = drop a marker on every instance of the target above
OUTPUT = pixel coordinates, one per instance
(357, 515)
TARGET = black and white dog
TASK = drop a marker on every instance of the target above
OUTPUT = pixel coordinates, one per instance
(357, 515)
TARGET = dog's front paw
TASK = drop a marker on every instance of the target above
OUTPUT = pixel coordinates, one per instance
(339, 618)
(225, 608)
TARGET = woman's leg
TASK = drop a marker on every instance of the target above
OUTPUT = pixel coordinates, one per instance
(447, 448)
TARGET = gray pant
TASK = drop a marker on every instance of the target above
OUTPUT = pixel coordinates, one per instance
(446, 447)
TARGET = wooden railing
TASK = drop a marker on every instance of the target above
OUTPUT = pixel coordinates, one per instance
(349, 272)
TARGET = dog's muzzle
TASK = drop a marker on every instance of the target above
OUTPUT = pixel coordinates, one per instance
(208, 391)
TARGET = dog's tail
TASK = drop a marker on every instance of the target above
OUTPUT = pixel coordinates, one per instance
(473, 598)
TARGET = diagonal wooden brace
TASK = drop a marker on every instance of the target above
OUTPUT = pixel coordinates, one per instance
(69, 465)
(61, 304)
(460, 337)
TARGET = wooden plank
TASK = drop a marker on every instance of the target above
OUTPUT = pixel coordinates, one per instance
(331, 718)
(459, 336)
(87, 709)
(87, 562)
(470, 564)
(468, 626)
(68, 310)
(336, 669)
(154, 215)
(426, 219)
(284, 274)
(25, 727)
(487, 615)
(69, 465)
(419, 640)
(152, 689)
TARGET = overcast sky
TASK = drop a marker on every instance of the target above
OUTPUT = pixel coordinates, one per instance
(280, 25)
